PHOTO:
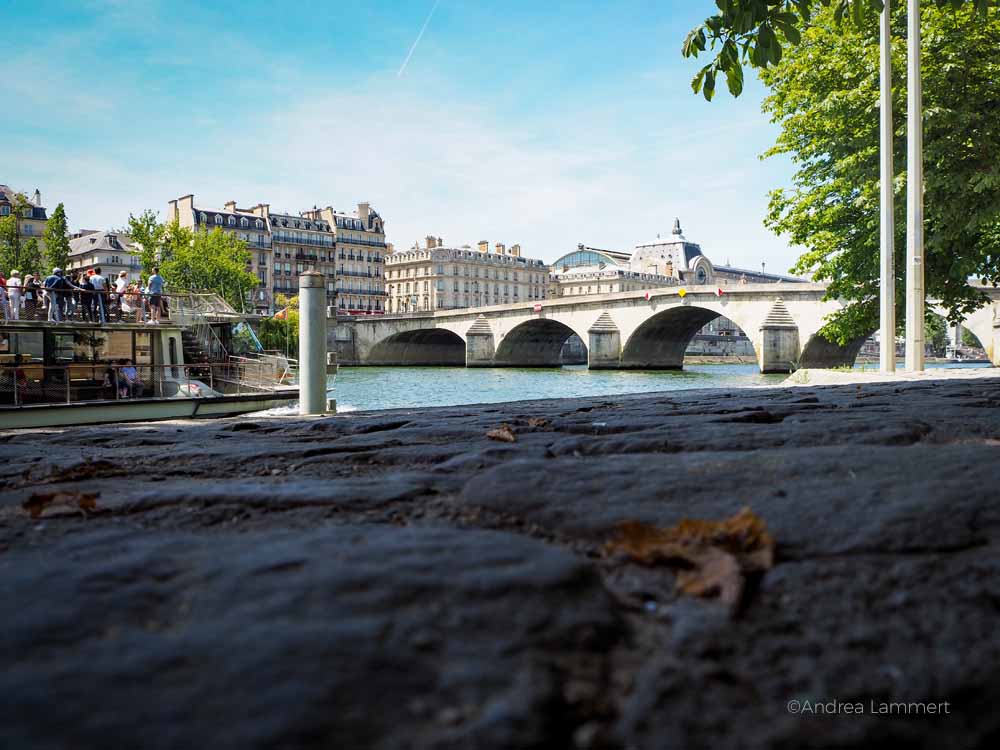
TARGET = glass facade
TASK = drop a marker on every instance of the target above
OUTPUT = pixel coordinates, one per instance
(584, 258)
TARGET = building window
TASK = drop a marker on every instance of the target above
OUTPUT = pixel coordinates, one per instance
(244, 222)
(259, 224)
(232, 221)
(4, 210)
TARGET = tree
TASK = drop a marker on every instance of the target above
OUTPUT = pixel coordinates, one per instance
(147, 231)
(936, 334)
(31, 258)
(970, 340)
(10, 238)
(57, 239)
(207, 261)
(824, 95)
(758, 32)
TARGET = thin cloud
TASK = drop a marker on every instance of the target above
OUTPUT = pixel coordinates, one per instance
(402, 68)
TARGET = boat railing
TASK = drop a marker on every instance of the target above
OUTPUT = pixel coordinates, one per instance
(86, 306)
(27, 383)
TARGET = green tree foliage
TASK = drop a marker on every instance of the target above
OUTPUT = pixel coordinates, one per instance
(936, 334)
(31, 260)
(57, 239)
(213, 261)
(11, 256)
(824, 95)
(146, 230)
(757, 33)
(970, 339)
(282, 333)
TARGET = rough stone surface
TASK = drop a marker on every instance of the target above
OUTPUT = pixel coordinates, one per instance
(398, 580)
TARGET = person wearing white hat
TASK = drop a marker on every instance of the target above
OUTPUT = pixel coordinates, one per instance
(14, 293)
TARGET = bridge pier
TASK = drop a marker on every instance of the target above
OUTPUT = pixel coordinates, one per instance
(479, 347)
(779, 340)
(605, 344)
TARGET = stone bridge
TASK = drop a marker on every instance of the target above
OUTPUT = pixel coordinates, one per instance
(621, 331)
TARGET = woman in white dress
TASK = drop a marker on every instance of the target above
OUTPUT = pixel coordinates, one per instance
(14, 293)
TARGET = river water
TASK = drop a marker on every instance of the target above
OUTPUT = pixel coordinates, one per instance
(364, 388)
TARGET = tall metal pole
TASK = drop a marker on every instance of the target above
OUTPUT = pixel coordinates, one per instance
(914, 195)
(887, 310)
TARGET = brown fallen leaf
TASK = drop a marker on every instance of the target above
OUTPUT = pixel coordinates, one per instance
(537, 422)
(712, 557)
(502, 433)
(39, 502)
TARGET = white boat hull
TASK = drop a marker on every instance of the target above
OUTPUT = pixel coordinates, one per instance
(140, 410)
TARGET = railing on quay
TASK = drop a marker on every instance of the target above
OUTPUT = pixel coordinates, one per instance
(26, 383)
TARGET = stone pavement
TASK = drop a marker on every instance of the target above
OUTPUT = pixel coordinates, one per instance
(398, 580)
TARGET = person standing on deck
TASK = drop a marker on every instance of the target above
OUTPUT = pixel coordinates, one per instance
(56, 285)
(155, 288)
(101, 290)
(14, 293)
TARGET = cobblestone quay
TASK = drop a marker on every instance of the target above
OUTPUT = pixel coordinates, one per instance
(400, 580)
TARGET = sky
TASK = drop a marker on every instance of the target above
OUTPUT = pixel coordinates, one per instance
(516, 121)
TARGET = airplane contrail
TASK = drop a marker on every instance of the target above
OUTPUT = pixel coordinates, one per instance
(416, 41)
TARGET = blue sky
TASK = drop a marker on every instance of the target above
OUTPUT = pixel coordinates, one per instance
(546, 124)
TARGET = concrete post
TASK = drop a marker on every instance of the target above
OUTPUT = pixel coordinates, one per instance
(604, 348)
(479, 346)
(779, 340)
(914, 194)
(887, 308)
(312, 343)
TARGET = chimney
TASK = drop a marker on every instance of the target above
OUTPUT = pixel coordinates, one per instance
(484, 246)
(230, 206)
(515, 250)
(501, 250)
(440, 242)
(431, 242)
(364, 209)
(37, 198)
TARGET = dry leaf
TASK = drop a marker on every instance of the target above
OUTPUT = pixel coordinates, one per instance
(712, 556)
(502, 433)
(537, 422)
(39, 502)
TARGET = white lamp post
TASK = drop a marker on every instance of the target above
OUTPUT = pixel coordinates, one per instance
(914, 195)
(887, 310)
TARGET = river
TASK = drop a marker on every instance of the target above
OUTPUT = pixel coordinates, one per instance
(367, 388)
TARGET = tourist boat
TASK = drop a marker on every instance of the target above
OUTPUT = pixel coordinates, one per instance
(77, 371)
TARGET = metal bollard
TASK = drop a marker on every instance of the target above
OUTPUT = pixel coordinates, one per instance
(312, 343)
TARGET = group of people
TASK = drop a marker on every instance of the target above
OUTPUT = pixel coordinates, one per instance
(97, 298)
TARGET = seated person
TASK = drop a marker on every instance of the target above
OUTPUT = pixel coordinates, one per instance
(129, 384)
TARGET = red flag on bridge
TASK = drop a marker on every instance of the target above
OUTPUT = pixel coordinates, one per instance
(537, 307)
(647, 295)
(719, 292)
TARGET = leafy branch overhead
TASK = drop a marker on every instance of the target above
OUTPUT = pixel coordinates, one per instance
(755, 32)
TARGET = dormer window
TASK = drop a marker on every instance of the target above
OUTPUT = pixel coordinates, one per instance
(218, 219)
(203, 218)
(259, 224)
(232, 221)
(244, 222)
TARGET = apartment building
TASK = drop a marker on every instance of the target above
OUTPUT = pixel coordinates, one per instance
(33, 218)
(112, 251)
(435, 277)
(347, 249)
(361, 253)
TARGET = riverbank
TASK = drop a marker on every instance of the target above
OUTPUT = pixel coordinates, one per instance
(399, 578)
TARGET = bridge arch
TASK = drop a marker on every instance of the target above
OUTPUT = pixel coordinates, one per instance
(430, 347)
(659, 342)
(534, 343)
